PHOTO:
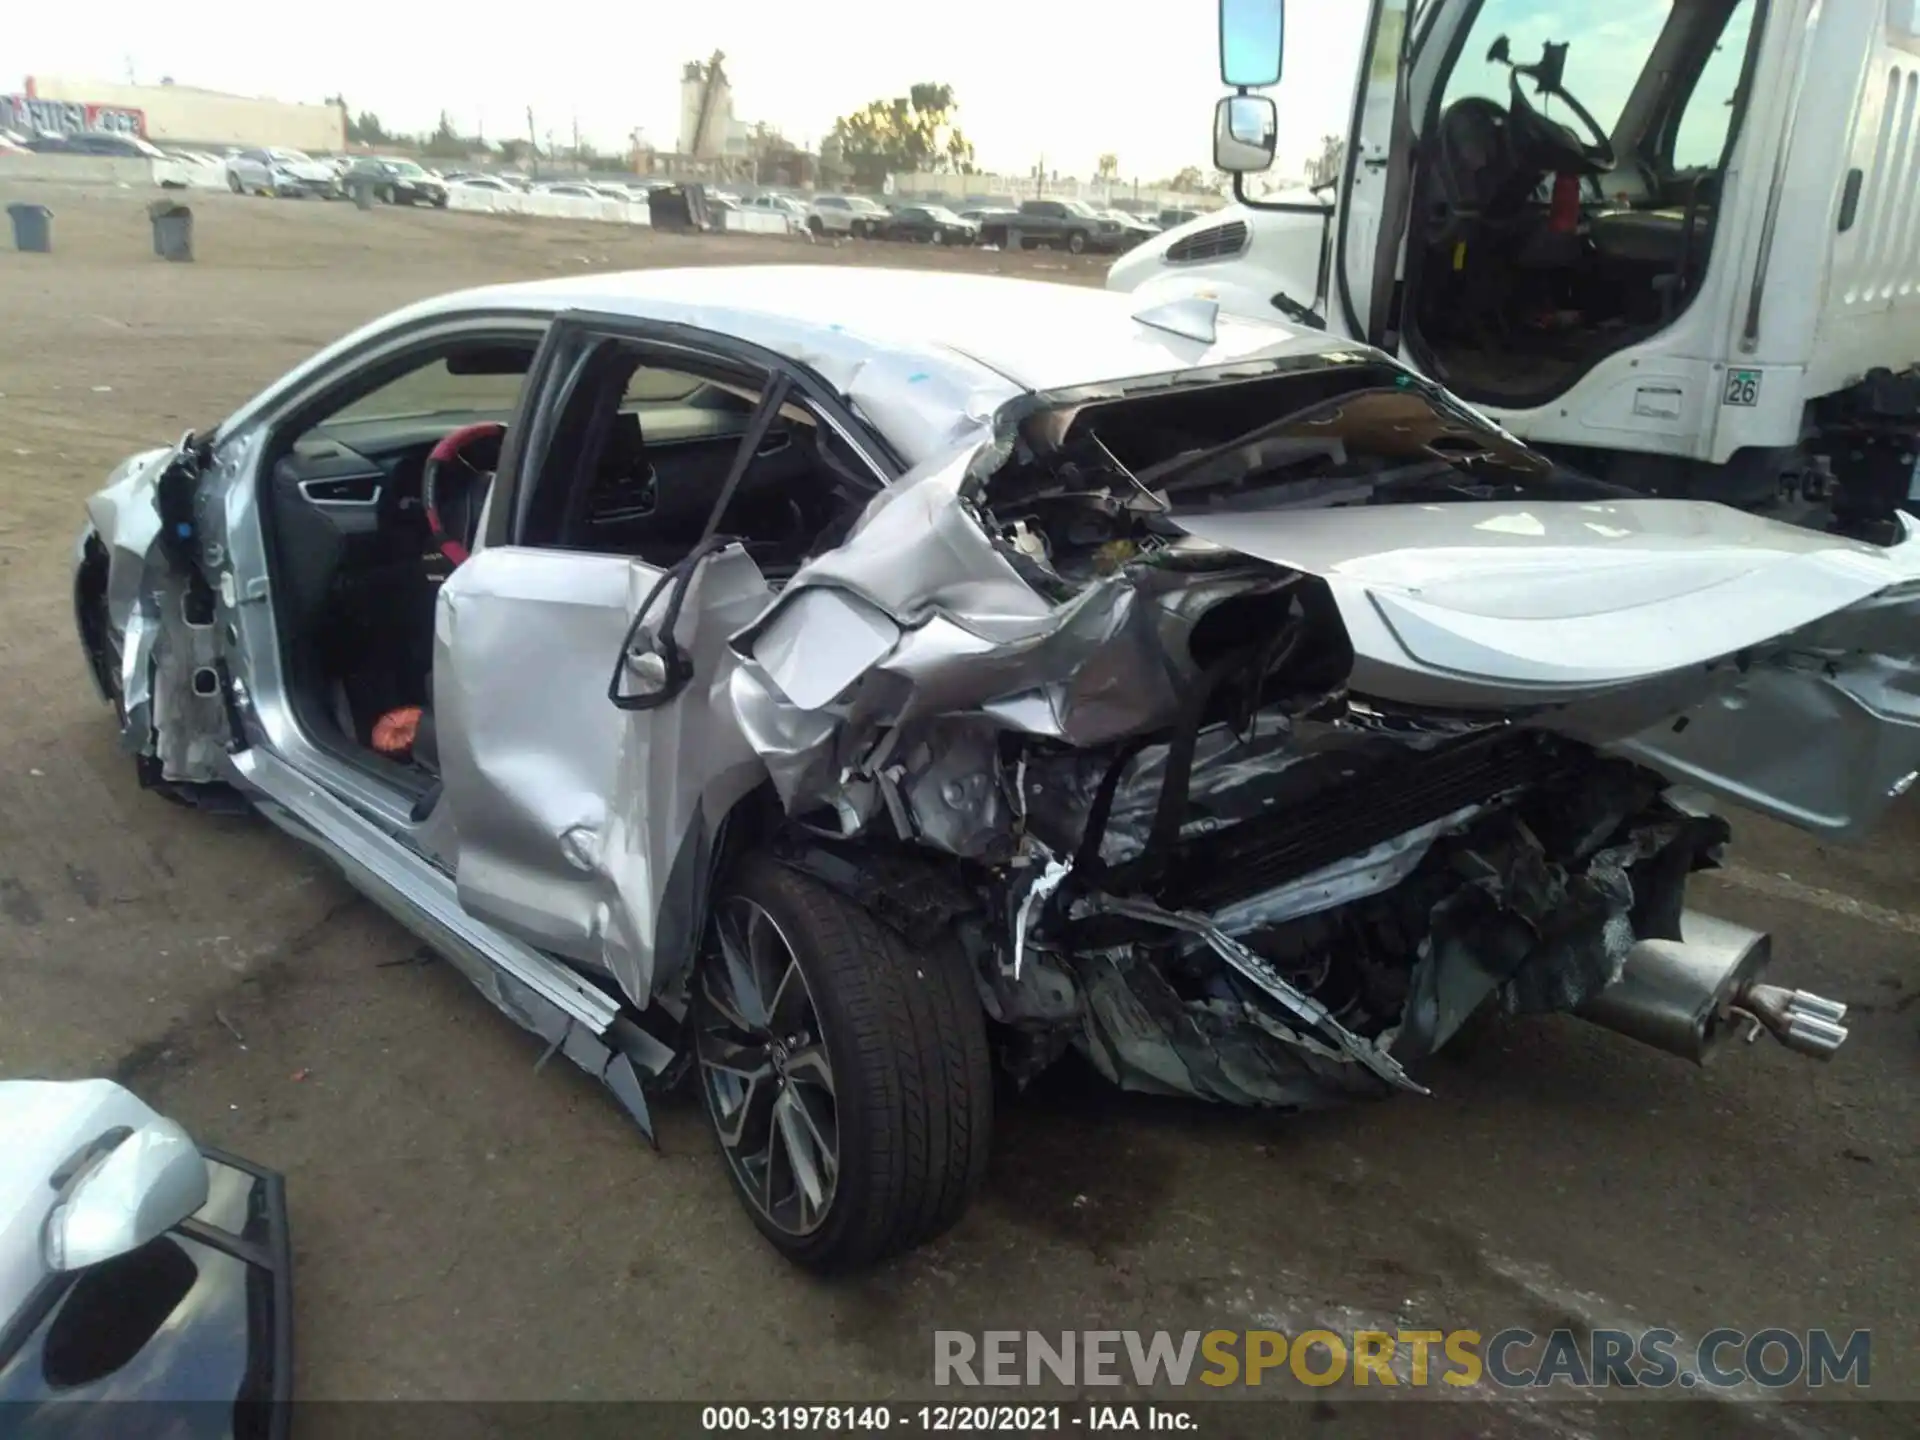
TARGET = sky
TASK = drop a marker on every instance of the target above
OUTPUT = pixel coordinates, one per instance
(1069, 80)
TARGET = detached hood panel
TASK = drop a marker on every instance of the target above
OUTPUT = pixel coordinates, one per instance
(1503, 604)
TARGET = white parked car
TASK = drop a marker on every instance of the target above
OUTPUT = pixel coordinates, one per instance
(792, 210)
(853, 215)
(281, 172)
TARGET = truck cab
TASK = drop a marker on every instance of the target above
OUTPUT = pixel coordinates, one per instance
(1678, 242)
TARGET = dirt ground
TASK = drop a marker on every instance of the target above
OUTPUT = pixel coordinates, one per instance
(466, 1228)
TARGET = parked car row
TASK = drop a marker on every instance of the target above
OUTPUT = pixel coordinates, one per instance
(1072, 225)
(107, 143)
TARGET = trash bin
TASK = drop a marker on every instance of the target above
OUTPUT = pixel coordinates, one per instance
(32, 228)
(678, 207)
(172, 229)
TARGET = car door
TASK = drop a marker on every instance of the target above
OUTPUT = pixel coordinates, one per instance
(584, 824)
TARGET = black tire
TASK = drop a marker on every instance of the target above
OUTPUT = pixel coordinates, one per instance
(1077, 242)
(912, 1082)
(814, 227)
(388, 196)
(233, 184)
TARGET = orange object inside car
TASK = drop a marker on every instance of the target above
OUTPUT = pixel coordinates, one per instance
(394, 732)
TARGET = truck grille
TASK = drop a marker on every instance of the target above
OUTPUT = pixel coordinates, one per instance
(1216, 242)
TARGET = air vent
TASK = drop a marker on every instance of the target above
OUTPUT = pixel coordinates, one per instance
(1216, 242)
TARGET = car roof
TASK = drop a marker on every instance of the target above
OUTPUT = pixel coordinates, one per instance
(924, 355)
(1036, 334)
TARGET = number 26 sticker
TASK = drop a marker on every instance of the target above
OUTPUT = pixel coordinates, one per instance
(1743, 388)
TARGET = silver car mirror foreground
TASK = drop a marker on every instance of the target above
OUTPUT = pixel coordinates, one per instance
(144, 1186)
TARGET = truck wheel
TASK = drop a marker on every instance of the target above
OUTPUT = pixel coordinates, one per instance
(814, 227)
(844, 1071)
(1077, 242)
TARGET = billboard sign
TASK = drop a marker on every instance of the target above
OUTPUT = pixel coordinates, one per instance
(68, 117)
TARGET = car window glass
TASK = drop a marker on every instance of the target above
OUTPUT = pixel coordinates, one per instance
(654, 385)
(1607, 48)
(639, 455)
(434, 389)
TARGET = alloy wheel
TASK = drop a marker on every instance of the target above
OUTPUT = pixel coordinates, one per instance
(764, 1069)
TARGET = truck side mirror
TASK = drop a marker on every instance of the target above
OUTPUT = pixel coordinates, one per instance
(1245, 132)
(1252, 36)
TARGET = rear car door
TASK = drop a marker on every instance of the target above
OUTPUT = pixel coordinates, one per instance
(576, 678)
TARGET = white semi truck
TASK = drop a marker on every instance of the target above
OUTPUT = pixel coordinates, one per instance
(1675, 243)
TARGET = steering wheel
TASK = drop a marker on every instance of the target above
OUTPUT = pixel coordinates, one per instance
(442, 485)
(1534, 131)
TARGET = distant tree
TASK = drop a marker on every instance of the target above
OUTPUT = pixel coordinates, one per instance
(513, 152)
(1107, 167)
(364, 128)
(1324, 168)
(909, 133)
(445, 143)
(1187, 181)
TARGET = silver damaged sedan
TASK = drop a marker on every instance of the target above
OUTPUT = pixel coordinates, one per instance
(836, 685)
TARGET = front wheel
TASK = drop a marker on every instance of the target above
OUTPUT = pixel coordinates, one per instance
(233, 184)
(1077, 243)
(846, 1074)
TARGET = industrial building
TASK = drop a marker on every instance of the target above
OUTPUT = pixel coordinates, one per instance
(174, 114)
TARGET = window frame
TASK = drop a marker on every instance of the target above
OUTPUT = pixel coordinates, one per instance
(576, 336)
(1663, 134)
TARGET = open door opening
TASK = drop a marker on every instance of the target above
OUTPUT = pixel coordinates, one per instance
(1566, 183)
(369, 498)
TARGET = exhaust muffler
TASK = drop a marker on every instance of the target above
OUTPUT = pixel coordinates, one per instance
(1691, 996)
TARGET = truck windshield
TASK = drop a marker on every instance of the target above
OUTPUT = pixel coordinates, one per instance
(1610, 50)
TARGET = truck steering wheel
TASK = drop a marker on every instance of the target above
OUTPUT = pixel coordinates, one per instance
(1535, 131)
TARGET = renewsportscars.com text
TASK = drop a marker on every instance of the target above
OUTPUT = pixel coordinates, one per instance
(1722, 1359)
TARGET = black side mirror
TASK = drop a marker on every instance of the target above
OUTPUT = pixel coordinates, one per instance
(1500, 52)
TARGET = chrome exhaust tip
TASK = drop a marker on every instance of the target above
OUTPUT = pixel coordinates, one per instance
(1690, 997)
(1798, 1019)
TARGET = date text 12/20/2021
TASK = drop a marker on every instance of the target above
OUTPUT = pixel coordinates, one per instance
(946, 1419)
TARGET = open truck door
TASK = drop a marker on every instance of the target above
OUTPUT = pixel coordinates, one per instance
(1376, 181)
(1372, 197)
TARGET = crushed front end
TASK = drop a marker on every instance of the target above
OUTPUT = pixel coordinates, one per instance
(1207, 819)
